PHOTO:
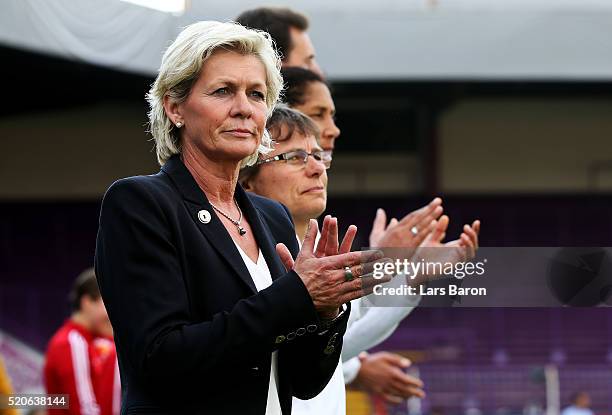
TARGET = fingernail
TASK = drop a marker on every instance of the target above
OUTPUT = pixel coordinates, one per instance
(405, 362)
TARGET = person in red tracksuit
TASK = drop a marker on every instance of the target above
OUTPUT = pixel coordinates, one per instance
(81, 359)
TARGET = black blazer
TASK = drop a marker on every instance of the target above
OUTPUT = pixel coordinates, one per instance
(193, 335)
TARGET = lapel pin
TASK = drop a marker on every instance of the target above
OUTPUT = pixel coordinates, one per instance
(204, 216)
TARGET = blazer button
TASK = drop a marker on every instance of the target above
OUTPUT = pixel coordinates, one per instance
(311, 328)
(280, 339)
(291, 335)
(329, 349)
(301, 331)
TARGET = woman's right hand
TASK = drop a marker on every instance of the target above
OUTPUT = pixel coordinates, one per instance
(322, 269)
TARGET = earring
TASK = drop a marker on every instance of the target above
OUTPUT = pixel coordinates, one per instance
(179, 124)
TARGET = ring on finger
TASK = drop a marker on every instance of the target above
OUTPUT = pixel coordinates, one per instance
(414, 231)
(348, 274)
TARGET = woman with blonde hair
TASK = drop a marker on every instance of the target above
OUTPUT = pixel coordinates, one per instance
(214, 307)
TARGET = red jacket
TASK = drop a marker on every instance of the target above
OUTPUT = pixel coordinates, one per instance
(85, 367)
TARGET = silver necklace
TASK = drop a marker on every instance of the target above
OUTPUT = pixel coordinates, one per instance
(241, 230)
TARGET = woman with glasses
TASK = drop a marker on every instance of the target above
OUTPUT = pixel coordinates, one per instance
(295, 174)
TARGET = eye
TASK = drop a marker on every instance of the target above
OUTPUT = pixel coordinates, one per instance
(221, 91)
(294, 157)
(258, 95)
(317, 115)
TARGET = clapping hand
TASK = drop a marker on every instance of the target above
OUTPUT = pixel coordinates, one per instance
(410, 231)
(331, 273)
(459, 250)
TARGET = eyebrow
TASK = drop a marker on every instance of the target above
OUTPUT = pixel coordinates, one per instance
(320, 108)
(317, 148)
(230, 81)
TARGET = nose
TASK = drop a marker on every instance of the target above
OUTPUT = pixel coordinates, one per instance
(241, 106)
(313, 167)
(329, 135)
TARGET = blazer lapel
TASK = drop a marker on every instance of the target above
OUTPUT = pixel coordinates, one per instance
(214, 230)
(262, 233)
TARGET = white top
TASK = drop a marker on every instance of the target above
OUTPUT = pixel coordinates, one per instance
(261, 277)
(574, 410)
(367, 327)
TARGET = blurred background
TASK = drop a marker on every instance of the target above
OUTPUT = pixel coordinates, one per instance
(503, 108)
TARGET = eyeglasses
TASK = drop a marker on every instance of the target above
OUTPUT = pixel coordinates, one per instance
(300, 158)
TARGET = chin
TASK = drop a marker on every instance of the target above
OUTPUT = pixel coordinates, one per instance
(239, 154)
(321, 202)
(243, 145)
(317, 210)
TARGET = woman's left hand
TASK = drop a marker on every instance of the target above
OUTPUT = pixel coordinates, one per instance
(328, 242)
(323, 269)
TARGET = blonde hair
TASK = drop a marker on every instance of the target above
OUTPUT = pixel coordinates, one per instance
(180, 68)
